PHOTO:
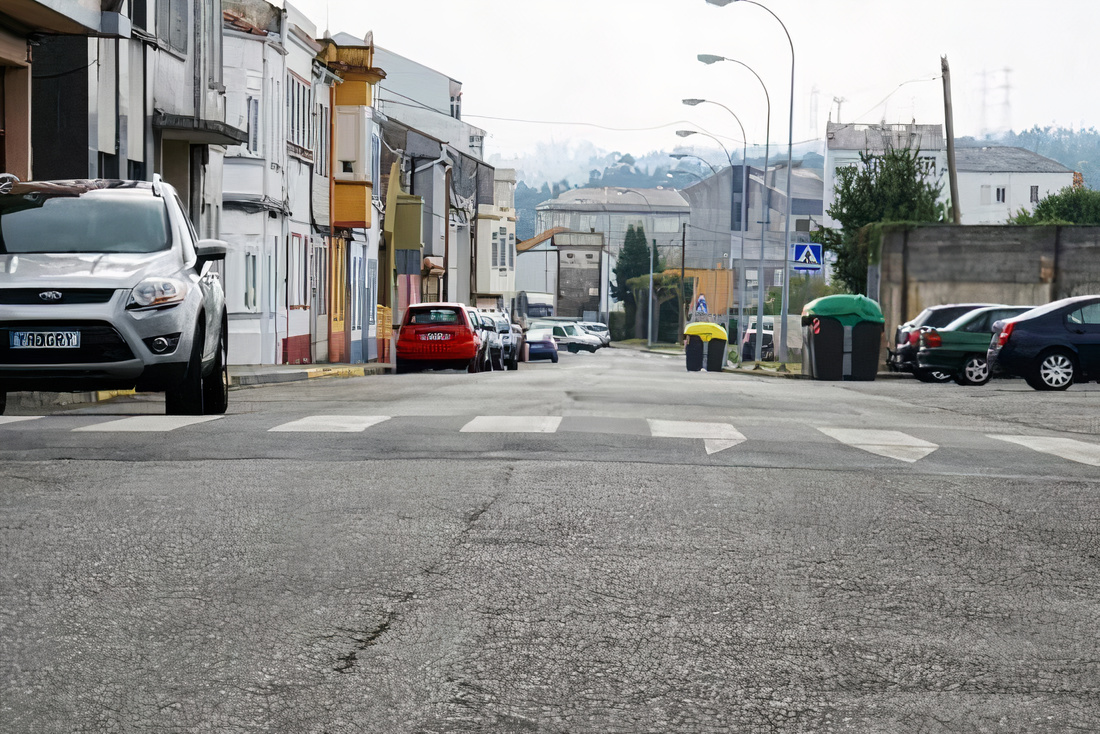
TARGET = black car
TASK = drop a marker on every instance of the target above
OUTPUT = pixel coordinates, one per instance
(903, 358)
(1051, 346)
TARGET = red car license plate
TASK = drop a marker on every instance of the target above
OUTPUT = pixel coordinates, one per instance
(436, 336)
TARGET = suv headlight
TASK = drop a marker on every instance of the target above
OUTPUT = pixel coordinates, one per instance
(157, 293)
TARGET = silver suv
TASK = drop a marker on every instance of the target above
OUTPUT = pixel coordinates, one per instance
(105, 286)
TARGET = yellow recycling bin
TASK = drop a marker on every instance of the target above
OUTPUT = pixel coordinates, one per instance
(705, 337)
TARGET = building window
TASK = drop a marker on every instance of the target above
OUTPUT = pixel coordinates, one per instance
(253, 125)
(299, 131)
(172, 24)
(511, 251)
(251, 302)
(985, 194)
(1034, 194)
(297, 273)
(496, 249)
(321, 137)
(1001, 195)
(502, 262)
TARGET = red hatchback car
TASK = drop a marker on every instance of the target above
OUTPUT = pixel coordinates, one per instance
(437, 336)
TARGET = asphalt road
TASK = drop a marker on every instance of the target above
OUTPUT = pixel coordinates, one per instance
(610, 544)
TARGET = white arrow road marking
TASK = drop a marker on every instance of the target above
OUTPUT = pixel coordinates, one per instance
(150, 423)
(513, 424)
(1066, 448)
(716, 436)
(5, 419)
(331, 424)
(891, 444)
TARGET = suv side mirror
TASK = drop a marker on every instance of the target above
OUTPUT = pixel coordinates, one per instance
(208, 250)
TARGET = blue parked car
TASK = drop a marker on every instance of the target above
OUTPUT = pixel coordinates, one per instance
(1051, 346)
(541, 345)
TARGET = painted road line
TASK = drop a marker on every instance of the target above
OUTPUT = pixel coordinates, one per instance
(149, 423)
(330, 424)
(9, 419)
(513, 424)
(716, 436)
(891, 444)
(1066, 448)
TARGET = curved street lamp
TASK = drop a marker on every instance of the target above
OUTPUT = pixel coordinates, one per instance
(713, 59)
(649, 306)
(681, 156)
(782, 355)
(744, 212)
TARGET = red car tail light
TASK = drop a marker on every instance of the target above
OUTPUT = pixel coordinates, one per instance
(931, 338)
(914, 337)
(1005, 333)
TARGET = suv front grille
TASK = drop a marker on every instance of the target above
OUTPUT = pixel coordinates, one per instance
(99, 342)
(33, 296)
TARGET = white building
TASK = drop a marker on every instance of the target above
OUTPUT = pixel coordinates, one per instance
(496, 240)
(996, 183)
(275, 270)
(845, 142)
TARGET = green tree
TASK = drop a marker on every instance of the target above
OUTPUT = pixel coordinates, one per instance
(1069, 206)
(893, 187)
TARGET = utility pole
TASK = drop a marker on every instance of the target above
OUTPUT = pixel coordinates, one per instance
(683, 306)
(649, 331)
(949, 129)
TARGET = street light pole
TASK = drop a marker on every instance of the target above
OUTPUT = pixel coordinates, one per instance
(782, 355)
(744, 217)
(766, 200)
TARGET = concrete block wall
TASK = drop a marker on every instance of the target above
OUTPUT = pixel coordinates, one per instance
(926, 265)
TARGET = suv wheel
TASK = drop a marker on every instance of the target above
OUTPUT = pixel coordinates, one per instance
(975, 371)
(215, 386)
(186, 397)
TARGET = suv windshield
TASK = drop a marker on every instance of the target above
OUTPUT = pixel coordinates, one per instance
(102, 221)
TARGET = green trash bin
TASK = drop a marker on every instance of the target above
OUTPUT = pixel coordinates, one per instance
(842, 338)
(709, 338)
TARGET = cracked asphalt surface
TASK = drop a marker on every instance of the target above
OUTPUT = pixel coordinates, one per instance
(412, 578)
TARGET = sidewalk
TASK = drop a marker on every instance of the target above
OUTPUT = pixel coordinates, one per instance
(240, 376)
(253, 374)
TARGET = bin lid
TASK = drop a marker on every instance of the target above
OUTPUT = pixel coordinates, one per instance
(849, 310)
(705, 331)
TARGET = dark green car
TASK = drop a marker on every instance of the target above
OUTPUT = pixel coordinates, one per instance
(959, 348)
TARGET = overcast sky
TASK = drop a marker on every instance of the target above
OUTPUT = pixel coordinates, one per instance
(614, 72)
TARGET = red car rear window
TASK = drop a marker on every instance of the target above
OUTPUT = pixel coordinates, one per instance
(434, 316)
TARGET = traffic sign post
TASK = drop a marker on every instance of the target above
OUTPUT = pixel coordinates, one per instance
(806, 256)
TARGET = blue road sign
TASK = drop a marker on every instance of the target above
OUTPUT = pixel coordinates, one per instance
(806, 256)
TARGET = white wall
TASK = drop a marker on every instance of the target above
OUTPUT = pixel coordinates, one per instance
(975, 207)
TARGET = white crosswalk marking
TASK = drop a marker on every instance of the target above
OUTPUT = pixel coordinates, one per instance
(891, 444)
(149, 423)
(716, 436)
(513, 424)
(331, 424)
(1066, 448)
(8, 419)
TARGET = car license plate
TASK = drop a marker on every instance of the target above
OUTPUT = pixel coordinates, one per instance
(436, 336)
(45, 339)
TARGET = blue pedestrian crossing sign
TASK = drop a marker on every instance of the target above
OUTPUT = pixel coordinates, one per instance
(806, 256)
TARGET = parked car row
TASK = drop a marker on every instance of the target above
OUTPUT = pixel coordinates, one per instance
(456, 336)
(1050, 346)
